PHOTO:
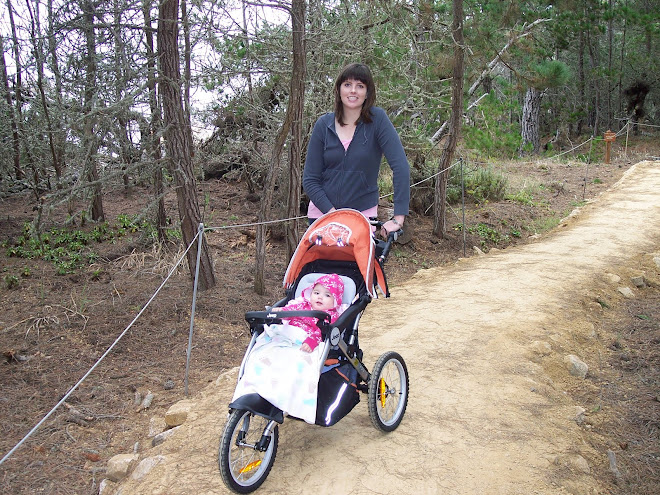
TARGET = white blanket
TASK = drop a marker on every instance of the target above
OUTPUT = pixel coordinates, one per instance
(283, 374)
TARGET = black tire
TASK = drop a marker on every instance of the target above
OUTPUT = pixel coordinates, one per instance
(388, 391)
(243, 467)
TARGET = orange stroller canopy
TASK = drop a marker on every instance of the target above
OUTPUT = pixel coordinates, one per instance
(341, 235)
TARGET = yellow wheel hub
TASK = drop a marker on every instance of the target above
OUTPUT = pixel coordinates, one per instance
(382, 391)
(250, 467)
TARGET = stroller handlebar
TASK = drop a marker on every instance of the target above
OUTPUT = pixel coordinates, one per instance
(384, 246)
(387, 245)
(276, 317)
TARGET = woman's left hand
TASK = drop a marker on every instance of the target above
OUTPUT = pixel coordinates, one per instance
(393, 225)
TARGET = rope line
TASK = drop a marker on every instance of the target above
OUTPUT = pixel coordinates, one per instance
(267, 222)
(620, 132)
(572, 149)
(428, 178)
(108, 350)
(646, 125)
(169, 275)
(225, 227)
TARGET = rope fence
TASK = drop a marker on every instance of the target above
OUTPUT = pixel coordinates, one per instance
(98, 362)
(198, 239)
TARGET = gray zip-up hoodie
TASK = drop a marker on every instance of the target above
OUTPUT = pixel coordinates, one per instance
(334, 177)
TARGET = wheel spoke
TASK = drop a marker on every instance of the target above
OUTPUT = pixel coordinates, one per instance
(388, 391)
(243, 467)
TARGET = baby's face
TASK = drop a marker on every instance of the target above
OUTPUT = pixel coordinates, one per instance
(321, 298)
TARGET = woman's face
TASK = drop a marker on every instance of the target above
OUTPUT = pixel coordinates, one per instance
(352, 93)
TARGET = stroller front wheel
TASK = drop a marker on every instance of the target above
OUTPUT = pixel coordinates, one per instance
(247, 451)
(388, 391)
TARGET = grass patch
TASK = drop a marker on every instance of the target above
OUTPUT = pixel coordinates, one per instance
(541, 225)
(486, 233)
(69, 249)
(481, 184)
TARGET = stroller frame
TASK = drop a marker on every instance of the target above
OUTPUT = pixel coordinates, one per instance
(250, 439)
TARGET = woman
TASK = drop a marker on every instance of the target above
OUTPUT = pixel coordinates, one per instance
(346, 149)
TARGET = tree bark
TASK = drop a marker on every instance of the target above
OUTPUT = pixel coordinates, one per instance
(530, 122)
(127, 153)
(297, 101)
(266, 202)
(610, 50)
(439, 217)
(90, 142)
(269, 184)
(39, 56)
(59, 133)
(18, 114)
(594, 111)
(16, 148)
(153, 140)
(187, 50)
(581, 84)
(178, 141)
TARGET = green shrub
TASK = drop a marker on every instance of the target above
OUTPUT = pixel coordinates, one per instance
(481, 184)
(492, 132)
(11, 281)
(486, 233)
(69, 249)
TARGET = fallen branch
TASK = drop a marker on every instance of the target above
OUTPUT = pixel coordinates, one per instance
(526, 30)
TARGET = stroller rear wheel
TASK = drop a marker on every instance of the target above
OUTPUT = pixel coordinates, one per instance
(388, 391)
(247, 451)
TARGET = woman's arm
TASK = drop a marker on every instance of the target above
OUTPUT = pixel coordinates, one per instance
(314, 165)
(390, 143)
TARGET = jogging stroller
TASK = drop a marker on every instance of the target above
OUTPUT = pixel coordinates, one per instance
(340, 242)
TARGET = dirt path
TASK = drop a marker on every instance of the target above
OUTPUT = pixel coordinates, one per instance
(484, 341)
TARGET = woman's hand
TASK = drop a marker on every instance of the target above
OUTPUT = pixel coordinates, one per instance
(305, 347)
(396, 223)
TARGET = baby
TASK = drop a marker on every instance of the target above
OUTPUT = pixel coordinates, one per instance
(324, 295)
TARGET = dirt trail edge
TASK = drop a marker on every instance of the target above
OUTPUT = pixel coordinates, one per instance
(485, 341)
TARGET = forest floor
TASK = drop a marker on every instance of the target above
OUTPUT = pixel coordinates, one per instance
(54, 328)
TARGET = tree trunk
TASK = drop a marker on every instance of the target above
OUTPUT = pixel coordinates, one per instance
(247, 74)
(16, 148)
(178, 141)
(153, 141)
(594, 111)
(581, 85)
(266, 202)
(187, 50)
(89, 141)
(269, 184)
(18, 114)
(622, 59)
(127, 154)
(297, 101)
(439, 216)
(60, 135)
(610, 50)
(530, 122)
(39, 56)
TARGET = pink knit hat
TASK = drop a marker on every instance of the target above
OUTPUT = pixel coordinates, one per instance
(332, 282)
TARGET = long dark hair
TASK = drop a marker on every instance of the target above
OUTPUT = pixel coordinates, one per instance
(359, 72)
